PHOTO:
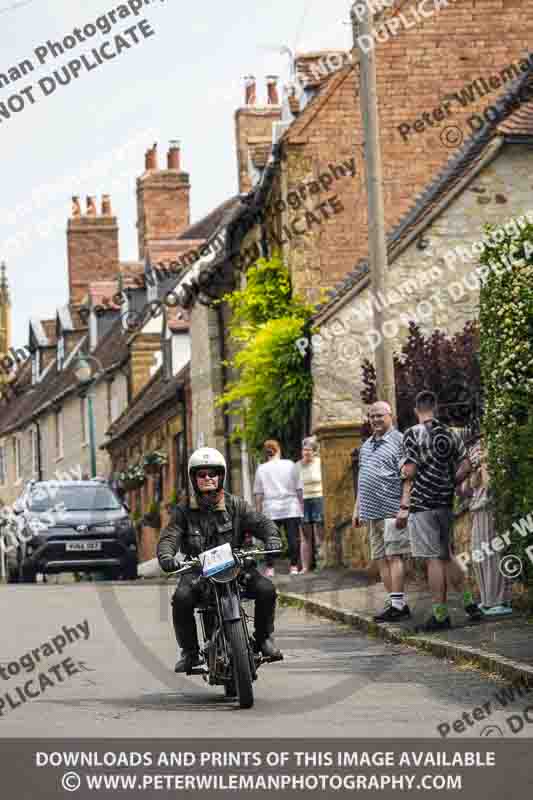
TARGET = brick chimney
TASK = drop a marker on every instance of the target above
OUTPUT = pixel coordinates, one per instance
(92, 247)
(163, 210)
(272, 90)
(173, 157)
(250, 91)
(253, 125)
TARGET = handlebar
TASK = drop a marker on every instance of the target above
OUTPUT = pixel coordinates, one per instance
(195, 562)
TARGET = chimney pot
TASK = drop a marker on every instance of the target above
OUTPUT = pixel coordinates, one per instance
(272, 90)
(151, 158)
(91, 206)
(106, 205)
(76, 210)
(173, 157)
(250, 91)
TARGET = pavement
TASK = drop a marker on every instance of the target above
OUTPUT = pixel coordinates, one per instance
(501, 647)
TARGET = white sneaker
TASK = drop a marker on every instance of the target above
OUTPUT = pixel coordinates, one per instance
(293, 571)
(497, 611)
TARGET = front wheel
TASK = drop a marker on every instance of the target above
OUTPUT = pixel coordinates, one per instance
(241, 663)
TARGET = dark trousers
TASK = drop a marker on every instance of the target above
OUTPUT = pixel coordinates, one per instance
(189, 594)
(292, 530)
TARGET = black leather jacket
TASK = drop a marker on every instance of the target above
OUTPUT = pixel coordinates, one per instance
(191, 530)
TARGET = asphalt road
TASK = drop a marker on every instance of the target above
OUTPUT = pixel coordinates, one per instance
(333, 682)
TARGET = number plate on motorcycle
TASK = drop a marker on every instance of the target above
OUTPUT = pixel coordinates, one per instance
(216, 559)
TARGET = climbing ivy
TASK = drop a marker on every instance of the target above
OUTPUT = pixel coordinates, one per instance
(274, 383)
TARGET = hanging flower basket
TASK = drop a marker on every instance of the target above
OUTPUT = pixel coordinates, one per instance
(153, 462)
(132, 478)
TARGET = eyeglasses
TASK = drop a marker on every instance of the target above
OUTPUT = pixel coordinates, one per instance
(202, 474)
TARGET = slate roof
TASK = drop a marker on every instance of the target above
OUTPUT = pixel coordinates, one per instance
(206, 226)
(157, 392)
(112, 351)
(514, 125)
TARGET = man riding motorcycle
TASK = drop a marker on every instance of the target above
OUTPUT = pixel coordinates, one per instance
(213, 517)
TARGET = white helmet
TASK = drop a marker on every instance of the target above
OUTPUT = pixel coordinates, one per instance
(206, 457)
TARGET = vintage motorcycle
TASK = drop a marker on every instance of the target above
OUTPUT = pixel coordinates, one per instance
(229, 651)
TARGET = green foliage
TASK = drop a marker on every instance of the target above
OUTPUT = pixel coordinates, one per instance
(506, 318)
(274, 384)
(267, 296)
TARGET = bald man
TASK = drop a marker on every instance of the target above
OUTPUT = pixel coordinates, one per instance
(379, 491)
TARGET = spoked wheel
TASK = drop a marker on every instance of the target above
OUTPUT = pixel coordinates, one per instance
(241, 663)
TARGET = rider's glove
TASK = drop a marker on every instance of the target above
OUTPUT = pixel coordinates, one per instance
(273, 543)
(167, 564)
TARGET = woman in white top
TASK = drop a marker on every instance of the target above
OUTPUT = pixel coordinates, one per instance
(311, 542)
(279, 494)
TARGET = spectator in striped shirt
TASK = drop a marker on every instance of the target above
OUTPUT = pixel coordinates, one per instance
(379, 489)
(435, 463)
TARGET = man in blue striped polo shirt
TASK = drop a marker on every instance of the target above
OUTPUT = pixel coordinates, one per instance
(379, 490)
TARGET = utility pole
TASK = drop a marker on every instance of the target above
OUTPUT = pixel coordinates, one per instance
(377, 243)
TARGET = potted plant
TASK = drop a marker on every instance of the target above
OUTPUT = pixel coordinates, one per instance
(132, 478)
(152, 518)
(153, 462)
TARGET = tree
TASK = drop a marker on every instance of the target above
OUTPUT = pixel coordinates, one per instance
(448, 366)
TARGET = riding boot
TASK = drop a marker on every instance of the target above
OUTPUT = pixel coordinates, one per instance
(265, 609)
(187, 638)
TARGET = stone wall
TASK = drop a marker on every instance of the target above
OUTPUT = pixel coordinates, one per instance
(343, 545)
(438, 292)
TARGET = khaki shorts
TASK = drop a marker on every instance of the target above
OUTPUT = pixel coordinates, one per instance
(386, 539)
(430, 533)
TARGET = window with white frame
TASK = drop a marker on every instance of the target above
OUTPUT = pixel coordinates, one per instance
(109, 400)
(35, 366)
(60, 352)
(34, 438)
(58, 433)
(3, 465)
(83, 418)
(115, 411)
(17, 457)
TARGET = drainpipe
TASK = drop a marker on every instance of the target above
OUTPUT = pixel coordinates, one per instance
(227, 445)
(184, 467)
(39, 457)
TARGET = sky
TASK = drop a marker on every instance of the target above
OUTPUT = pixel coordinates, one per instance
(89, 137)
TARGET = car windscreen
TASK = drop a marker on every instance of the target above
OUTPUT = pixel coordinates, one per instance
(72, 498)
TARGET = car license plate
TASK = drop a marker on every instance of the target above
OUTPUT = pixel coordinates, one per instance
(77, 546)
(216, 559)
